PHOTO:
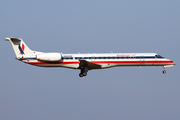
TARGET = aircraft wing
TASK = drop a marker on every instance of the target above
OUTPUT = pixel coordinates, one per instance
(90, 65)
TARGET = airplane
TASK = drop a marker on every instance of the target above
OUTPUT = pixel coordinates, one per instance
(86, 62)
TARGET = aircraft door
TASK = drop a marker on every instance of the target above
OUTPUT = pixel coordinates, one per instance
(155, 57)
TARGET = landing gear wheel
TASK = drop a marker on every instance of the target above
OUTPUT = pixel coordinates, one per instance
(84, 73)
(80, 75)
(164, 72)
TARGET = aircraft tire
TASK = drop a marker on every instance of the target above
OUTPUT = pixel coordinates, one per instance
(80, 75)
(164, 72)
(84, 73)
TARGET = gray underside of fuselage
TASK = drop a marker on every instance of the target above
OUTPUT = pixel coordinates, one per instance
(103, 66)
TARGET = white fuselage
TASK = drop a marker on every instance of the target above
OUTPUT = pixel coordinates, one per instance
(105, 60)
(86, 62)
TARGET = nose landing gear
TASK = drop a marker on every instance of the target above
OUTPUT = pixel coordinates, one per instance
(164, 71)
(171, 65)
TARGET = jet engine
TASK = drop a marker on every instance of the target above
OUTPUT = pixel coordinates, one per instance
(51, 57)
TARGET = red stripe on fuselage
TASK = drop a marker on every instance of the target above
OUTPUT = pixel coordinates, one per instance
(104, 62)
(98, 62)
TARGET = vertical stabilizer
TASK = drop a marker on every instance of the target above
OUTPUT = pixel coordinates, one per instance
(20, 48)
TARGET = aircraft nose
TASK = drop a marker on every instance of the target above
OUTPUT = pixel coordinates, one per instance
(174, 63)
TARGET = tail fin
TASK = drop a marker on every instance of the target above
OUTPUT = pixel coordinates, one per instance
(20, 48)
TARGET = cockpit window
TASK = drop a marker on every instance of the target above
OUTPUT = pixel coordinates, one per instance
(158, 56)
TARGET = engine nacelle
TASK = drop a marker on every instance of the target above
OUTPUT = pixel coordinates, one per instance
(51, 57)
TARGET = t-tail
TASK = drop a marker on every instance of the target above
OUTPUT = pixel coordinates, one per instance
(20, 48)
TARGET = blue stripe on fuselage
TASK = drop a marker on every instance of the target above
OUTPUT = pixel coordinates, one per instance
(77, 58)
(136, 57)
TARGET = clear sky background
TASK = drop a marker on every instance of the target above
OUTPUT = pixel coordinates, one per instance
(90, 26)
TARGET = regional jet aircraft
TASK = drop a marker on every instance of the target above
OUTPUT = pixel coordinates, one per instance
(86, 62)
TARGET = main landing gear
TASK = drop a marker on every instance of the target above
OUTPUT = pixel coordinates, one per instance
(83, 65)
(83, 72)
